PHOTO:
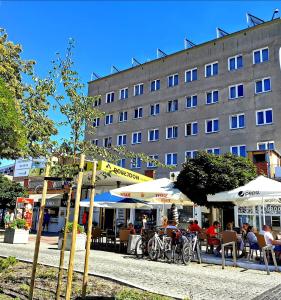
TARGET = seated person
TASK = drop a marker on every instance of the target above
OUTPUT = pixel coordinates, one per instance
(240, 242)
(194, 227)
(212, 239)
(244, 230)
(171, 225)
(252, 239)
(131, 228)
(269, 240)
(164, 222)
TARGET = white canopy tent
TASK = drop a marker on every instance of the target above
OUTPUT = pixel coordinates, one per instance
(156, 191)
(260, 191)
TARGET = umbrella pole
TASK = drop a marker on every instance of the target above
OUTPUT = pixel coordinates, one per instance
(263, 211)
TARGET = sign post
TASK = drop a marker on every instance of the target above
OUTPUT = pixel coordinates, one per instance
(89, 231)
(74, 230)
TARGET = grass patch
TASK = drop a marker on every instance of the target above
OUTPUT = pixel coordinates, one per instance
(5, 263)
(47, 274)
(24, 288)
(129, 294)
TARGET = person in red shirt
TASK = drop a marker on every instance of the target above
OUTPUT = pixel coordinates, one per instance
(212, 239)
(194, 227)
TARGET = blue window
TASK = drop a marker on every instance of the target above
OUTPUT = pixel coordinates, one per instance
(136, 163)
(264, 117)
(123, 94)
(191, 154)
(96, 122)
(155, 109)
(269, 145)
(236, 91)
(212, 125)
(172, 106)
(261, 55)
(109, 97)
(215, 151)
(108, 119)
(191, 101)
(122, 163)
(263, 85)
(138, 113)
(237, 121)
(171, 132)
(151, 164)
(212, 97)
(235, 62)
(191, 75)
(121, 140)
(173, 80)
(191, 129)
(171, 159)
(136, 138)
(95, 142)
(107, 142)
(239, 150)
(138, 89)
(153, 135)
(211, 69)
(155, 85)
(123, 116)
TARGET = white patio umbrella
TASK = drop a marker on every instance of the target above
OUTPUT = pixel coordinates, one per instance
(260, 191)
(157, 191)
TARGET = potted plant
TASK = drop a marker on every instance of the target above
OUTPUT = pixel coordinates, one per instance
(80, 237)
(17, 232)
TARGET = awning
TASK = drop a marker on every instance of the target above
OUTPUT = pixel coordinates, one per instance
(37, 197)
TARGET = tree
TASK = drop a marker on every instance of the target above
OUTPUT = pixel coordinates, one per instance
(210, 174)
(12, 132)
(31, 100)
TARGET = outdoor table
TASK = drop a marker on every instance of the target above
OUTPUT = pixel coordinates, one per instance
(132, 241)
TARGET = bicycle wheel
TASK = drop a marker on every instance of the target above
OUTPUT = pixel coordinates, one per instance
(153, 249)
(168, 250)
(186, 253)
(140, 248)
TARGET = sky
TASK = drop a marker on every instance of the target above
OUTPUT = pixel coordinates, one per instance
(110, 33)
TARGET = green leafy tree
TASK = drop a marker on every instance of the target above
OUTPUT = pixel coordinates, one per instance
(210, 174)
(31, 99)
(12, 132)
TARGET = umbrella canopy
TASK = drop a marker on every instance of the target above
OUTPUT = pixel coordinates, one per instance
(260, 191)
(107, 200)
(157, 191)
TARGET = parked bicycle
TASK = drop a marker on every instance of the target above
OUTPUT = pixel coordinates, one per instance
(191, 248)
(142, 242)
(159, 246)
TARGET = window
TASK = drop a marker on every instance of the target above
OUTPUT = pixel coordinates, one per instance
(153, 135)
(238, 150)
(123, 94)
(108, 119)
(136, 163)
(191, 75)
(212, 125)
(123, 116)
(191, 154)
(173, 80)
(136, 137)
(155, 109)
(96, 122)
(171, 159)
(121, 140)
(212, 97)
(235, 62)
(109, 97)
(212, 69)
(215, 151)
(171, 132)
(138, 89)
(191, 129)
(138, 113)
(260, 55)
(152, 164)
(237, 121)
(236, 91)
(269, 145)
(155, 85)
(191, 101)
(264, 117)
(107, 142)
(97, 102)
(173, 106)
(95, 142)
(263, 85)
(122, 163)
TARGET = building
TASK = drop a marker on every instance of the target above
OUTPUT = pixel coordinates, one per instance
(7, 170)
(220, 96)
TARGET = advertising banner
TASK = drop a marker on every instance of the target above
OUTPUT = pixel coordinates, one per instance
(24, 210)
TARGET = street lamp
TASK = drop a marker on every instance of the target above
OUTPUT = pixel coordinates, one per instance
(276, 11)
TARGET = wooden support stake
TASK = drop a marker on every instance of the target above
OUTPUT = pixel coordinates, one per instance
(74, 230)
(58, 291)
(89, 231)
(39, 231)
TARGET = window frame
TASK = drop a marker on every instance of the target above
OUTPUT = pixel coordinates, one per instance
(123, 119)
(109, 93)
(107, 137)
(173, 105)
(155, 85)
(266, 143)
(148, 134)
(212, 93)
(138, 85)
(192, 154)
(175, 129)
(213, 150)
(264, 116)
(212, 69)
(110, 119)
(124, 89)
(138, 163)
(192, 101)
(122, 136)
(172, 158)
(236, 59)
(137, 133)
(173, 84)
(263, 90)
(239, 150)
(260, 52)
(214, 119)
(192, 131)
(152, 156)
(237, 117)
(139, 108)
(154, 105)
(191, 75)
(236, 91)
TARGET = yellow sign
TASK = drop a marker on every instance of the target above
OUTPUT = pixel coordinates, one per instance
(118, 171)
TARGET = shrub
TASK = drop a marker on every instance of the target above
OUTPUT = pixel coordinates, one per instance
(69, 228)
(129, 294)
(5, 263)
(18, 224)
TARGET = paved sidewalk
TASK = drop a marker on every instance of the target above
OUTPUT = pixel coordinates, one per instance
(198, 282)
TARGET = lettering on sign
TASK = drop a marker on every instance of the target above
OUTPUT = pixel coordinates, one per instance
(161, 195)
(248, 193)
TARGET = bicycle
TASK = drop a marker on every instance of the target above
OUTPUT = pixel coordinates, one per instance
(160, 245)
(142, 242)
(191, 249)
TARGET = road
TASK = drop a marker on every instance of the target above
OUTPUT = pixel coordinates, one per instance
(198, 282)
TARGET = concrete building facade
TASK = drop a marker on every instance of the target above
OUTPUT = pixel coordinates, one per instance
(221, 96)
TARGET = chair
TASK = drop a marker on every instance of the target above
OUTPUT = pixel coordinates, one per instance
(211, 242)
(265, 250)
(110, 237)
(124, 237)
(202, 236)
(96, 235)
(229, 241)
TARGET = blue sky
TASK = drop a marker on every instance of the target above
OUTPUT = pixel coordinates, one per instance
(112, 32)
